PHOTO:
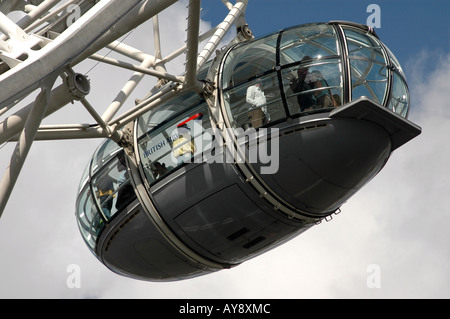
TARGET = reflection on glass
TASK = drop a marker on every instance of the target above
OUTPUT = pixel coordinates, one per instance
(89, 221)
(256, 100)
(395, 62)
(313, 64)
(109, 190)
(399, 100)
(103, 154)
(313, 86)
(314, 41)
(112, 187)
(363, 45)
(309, 66)
(250, 84)
(174, 142)
(255, 103)
(249, 60)
(166, 111)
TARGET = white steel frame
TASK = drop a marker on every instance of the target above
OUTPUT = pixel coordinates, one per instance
(30, 62)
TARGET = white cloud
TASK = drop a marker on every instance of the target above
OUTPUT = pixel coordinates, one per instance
(398, 221)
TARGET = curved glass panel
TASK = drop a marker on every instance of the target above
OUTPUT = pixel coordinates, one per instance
(104, 193)
(316, 74)
(164, 112)
(248, 61)
(111, 186)
(399, 99)
(255, 103)
(103, 154)
(89, 220)
(368, 65)
(313, 41)
(313, 86)
(251, 90)
(85, 177)
(251, 76)
(175, 141)
(395, 62)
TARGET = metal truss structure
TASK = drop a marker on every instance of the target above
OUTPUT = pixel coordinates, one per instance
(52, 37)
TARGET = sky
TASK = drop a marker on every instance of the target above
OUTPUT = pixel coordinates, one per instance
(394, 228)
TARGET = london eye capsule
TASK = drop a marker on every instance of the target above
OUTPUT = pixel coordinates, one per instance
(296, 123)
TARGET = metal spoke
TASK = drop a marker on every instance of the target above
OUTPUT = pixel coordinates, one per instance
(51, 40)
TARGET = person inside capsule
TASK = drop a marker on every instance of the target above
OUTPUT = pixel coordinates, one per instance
(105, 194)
(255, 96)
(125, 192)
(159, 169)
(323, 95)
(312, 89)
(302, 87)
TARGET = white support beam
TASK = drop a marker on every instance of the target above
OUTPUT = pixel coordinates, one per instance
(193, 31)
(222, 29)
(126, 91)
(109, 131)
(157, 38)
(38, 11)
(160, 67)
(12, 125)
(228, 4)
(68, 132)
(140, 56)
(10, 29)
(50, 15)
(146, 105)
(136, 68)
(182, 49)
(32, 16)
(25, 141)
(129, 51)
(65, 48)
(138, 15)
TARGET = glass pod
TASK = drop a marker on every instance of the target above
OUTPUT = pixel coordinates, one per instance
(301, 120)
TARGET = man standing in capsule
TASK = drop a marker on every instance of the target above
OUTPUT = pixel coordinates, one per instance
(258, 110)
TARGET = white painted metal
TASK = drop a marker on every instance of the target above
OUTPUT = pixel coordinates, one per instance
(193, 31)
(35, 58)
(10, 29)
(12, 125)
(25, 141)
(222, 29)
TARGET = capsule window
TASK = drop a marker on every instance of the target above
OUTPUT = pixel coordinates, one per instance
(89, 220)
(249, 61)
(313, 86)
(399, 99)
(250, 84)
(368, 66)
(174, 142)
(112, 187)
(103, 154)
(309, 41)
(165, 112)
(254, 103)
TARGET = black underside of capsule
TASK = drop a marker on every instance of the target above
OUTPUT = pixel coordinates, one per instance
(217, 214)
